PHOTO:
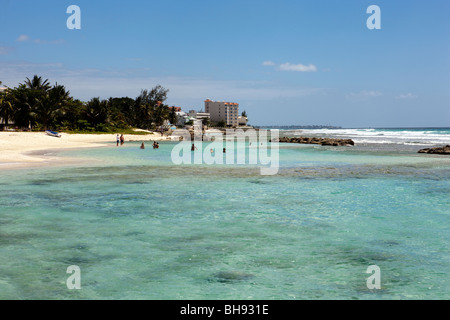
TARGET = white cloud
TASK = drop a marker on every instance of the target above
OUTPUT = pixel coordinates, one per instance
(291, 67)
(366, 94)
(87, 83)
(5, 50)
(297, 67)
(406, 96)
(23, 38)
(363, 95)
(268, 63)
(59, 41)
(26, 38)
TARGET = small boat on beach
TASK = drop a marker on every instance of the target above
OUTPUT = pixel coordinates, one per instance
(53, 134)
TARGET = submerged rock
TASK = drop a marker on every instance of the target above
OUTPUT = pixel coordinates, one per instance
(439, 150)
(231, 276)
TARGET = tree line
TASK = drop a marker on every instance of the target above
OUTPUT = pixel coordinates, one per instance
(38, 105)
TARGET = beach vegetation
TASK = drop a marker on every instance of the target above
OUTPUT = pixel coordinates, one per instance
(6, 107)
(38, 105)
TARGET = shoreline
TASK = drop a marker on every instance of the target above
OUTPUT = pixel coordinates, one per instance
(28, 149)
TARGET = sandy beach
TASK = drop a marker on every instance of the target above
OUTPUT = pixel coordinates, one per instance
(28, 148)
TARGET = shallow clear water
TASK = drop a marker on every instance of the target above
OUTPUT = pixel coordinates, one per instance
(140, 227)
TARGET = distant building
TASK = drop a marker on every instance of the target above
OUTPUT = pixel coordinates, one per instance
(182, 117)
(177, 109)
(199, 115)
(242, 121)
(223, 111)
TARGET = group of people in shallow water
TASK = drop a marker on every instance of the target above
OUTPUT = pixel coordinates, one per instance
(155, 145)
(194, 148)
(120, 139)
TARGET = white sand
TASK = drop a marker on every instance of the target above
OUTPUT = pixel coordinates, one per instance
(22, 148)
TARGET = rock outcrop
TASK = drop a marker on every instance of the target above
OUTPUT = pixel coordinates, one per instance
(439, 150)
(321, 141)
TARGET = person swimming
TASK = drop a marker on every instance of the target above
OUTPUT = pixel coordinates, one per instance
(142, 145)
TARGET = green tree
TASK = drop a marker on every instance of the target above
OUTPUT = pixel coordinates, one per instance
(37, 83)
(70, 113)
(206, 122)
(160, 113)
(149, 107)
(96, 112)
(29, 101)
(6, 107)
(221, 124)
(173, 118)
(49, 107)
(121, 112)
(23, 99)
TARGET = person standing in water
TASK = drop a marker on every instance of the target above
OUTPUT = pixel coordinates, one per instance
(122, 140)
(142, 145)
(117, 139)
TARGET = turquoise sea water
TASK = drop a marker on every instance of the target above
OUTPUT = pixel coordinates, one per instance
(140, 227)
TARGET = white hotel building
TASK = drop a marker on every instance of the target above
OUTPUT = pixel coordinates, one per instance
(223, 111)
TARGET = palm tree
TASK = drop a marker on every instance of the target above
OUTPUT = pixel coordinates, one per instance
(6, 108)
(29, 101)
(22, 99)
(96, 111)
(49, 106)
(37, 83)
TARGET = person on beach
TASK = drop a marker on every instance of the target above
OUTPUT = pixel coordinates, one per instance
(142, 145)
(122, 140)
(117, 139)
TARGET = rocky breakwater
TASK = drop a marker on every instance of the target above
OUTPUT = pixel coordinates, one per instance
(439, 150)
(321, 141)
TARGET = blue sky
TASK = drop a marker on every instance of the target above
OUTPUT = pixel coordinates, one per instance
(285, 62)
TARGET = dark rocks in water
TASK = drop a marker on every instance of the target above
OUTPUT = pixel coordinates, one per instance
(439, 150)
(231, 276)
(320, 141)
